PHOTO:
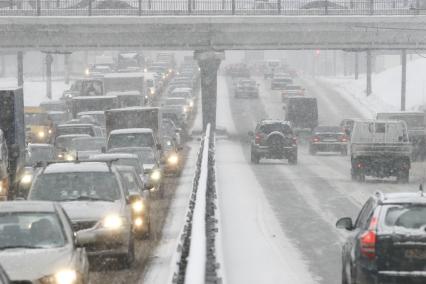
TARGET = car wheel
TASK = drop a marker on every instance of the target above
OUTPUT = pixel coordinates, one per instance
(254, 158)
(128, 259)
(292, 159)
(403, 176)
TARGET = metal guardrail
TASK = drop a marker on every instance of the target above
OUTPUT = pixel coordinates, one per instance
(195, 260)
(210, 7)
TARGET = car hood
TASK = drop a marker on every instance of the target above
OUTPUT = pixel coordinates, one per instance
(33, 264)
(90, 210)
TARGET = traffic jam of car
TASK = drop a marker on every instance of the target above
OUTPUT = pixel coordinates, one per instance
(94, 164)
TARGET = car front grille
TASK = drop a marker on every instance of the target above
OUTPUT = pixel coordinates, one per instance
(77, 226)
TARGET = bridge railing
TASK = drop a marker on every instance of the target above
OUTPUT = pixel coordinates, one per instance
(197, 257)
(209, 7)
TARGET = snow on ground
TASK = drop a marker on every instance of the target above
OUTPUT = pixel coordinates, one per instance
(255, 247)
(224, 115)
(35, 89)
(386, 86)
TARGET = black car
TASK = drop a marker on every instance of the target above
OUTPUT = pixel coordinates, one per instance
(273, 139)
(328, 139)
(387, 242)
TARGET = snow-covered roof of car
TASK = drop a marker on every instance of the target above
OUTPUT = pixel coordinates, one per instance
(27, 206)
(91, 112)
(56, 112)
(75, 167)
(73, 136)
(182, 90)
(125, 149)
(124, 75)
(270, 121)
(94, 97)
(75, 125)
(403, 197)
(109, 156)
(39, 145)
(131, 131)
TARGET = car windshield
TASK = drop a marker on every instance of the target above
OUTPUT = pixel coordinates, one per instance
(76, 186)
(87, 144)
(39, 154)
(74, 130)
(408, 216)
(30, 230)
(130, 140)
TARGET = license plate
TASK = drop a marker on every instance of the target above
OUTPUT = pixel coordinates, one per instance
(329, 140)
(415, 253)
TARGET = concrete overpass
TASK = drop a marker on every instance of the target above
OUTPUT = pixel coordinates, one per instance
(213, 32)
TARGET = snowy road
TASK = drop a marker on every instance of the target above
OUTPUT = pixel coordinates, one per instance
(278, 220)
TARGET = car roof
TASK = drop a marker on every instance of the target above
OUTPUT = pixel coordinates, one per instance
(122, 168)
(27, 206)
(118, 155)
(76, 125)
(73, 136)
(74, 167)
(182, 89)
(273, 121)
(401, 197)
(91, 112)
(39, 145)
(131, 130)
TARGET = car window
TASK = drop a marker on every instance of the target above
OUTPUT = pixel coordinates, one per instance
(71, 186)
(364, 214)
(406, 216)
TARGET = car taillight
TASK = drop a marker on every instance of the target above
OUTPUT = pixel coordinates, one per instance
(316, 139)
(294, 140)
(343, 139)
(257, 138)
(368, 241)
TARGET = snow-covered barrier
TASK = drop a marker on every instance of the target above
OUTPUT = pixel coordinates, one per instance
(195, 260)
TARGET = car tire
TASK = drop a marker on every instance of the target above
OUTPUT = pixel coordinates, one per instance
(127, 260)
(292, 159)
(255, 159)
(403, 176)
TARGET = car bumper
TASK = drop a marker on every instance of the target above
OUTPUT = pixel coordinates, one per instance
(267, 152)
(329, 146)
(109, 242)
(390, 277)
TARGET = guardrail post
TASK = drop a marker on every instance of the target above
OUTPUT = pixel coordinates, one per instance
(149, 4)
(233, 7)
(279, 7)
(326, 7)
(371, 7)
(90, 7)
(140, 7)
(38, 7)
(189, 6)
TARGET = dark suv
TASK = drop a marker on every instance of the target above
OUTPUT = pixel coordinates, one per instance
(273, 139)
(387, 243)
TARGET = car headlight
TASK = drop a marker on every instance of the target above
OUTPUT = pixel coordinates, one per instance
(87, 71)
(191, 103)
(145, 70)
(173, 159)
(67, 276)
(50, 131)
(138, 206)
(41, 134)
(112, 222)
(26, 178)
(155, 175)
(138, 222)
(185, 109)
(60, 156)
(69, 157)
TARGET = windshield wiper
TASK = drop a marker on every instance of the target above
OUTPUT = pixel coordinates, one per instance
(21, 246)
(91, 198)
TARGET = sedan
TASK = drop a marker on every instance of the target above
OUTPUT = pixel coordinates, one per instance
(328, 139)
(37, 244)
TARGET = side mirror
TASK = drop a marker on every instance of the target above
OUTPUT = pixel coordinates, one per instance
(250, 133)
(103, 149)
(84, 238)
(345, 223)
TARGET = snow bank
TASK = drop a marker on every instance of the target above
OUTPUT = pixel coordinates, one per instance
(35, 89)
(386, 86)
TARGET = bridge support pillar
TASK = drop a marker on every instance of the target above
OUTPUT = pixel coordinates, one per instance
(356, 65)
(20, 61)
(49, 61)
(369, 70)
(209, 62)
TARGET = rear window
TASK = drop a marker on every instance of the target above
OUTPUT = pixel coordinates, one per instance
(406, 216)
(281, 127)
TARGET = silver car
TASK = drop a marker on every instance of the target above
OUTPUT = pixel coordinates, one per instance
(95, 200)
(37, 244)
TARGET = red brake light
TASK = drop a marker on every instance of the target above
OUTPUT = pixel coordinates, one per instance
(294, 140)
(257, 138)
(343, 139)
(368, 241)
(316, 139)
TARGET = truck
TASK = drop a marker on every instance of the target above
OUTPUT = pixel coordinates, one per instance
(380, 148)
(12, 140)
(416, 124)
(93, 103)
(302, 112)
(133, 117)
(128, 87)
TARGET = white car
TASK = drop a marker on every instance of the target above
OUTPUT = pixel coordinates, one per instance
(37, 244)
(94, 198)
